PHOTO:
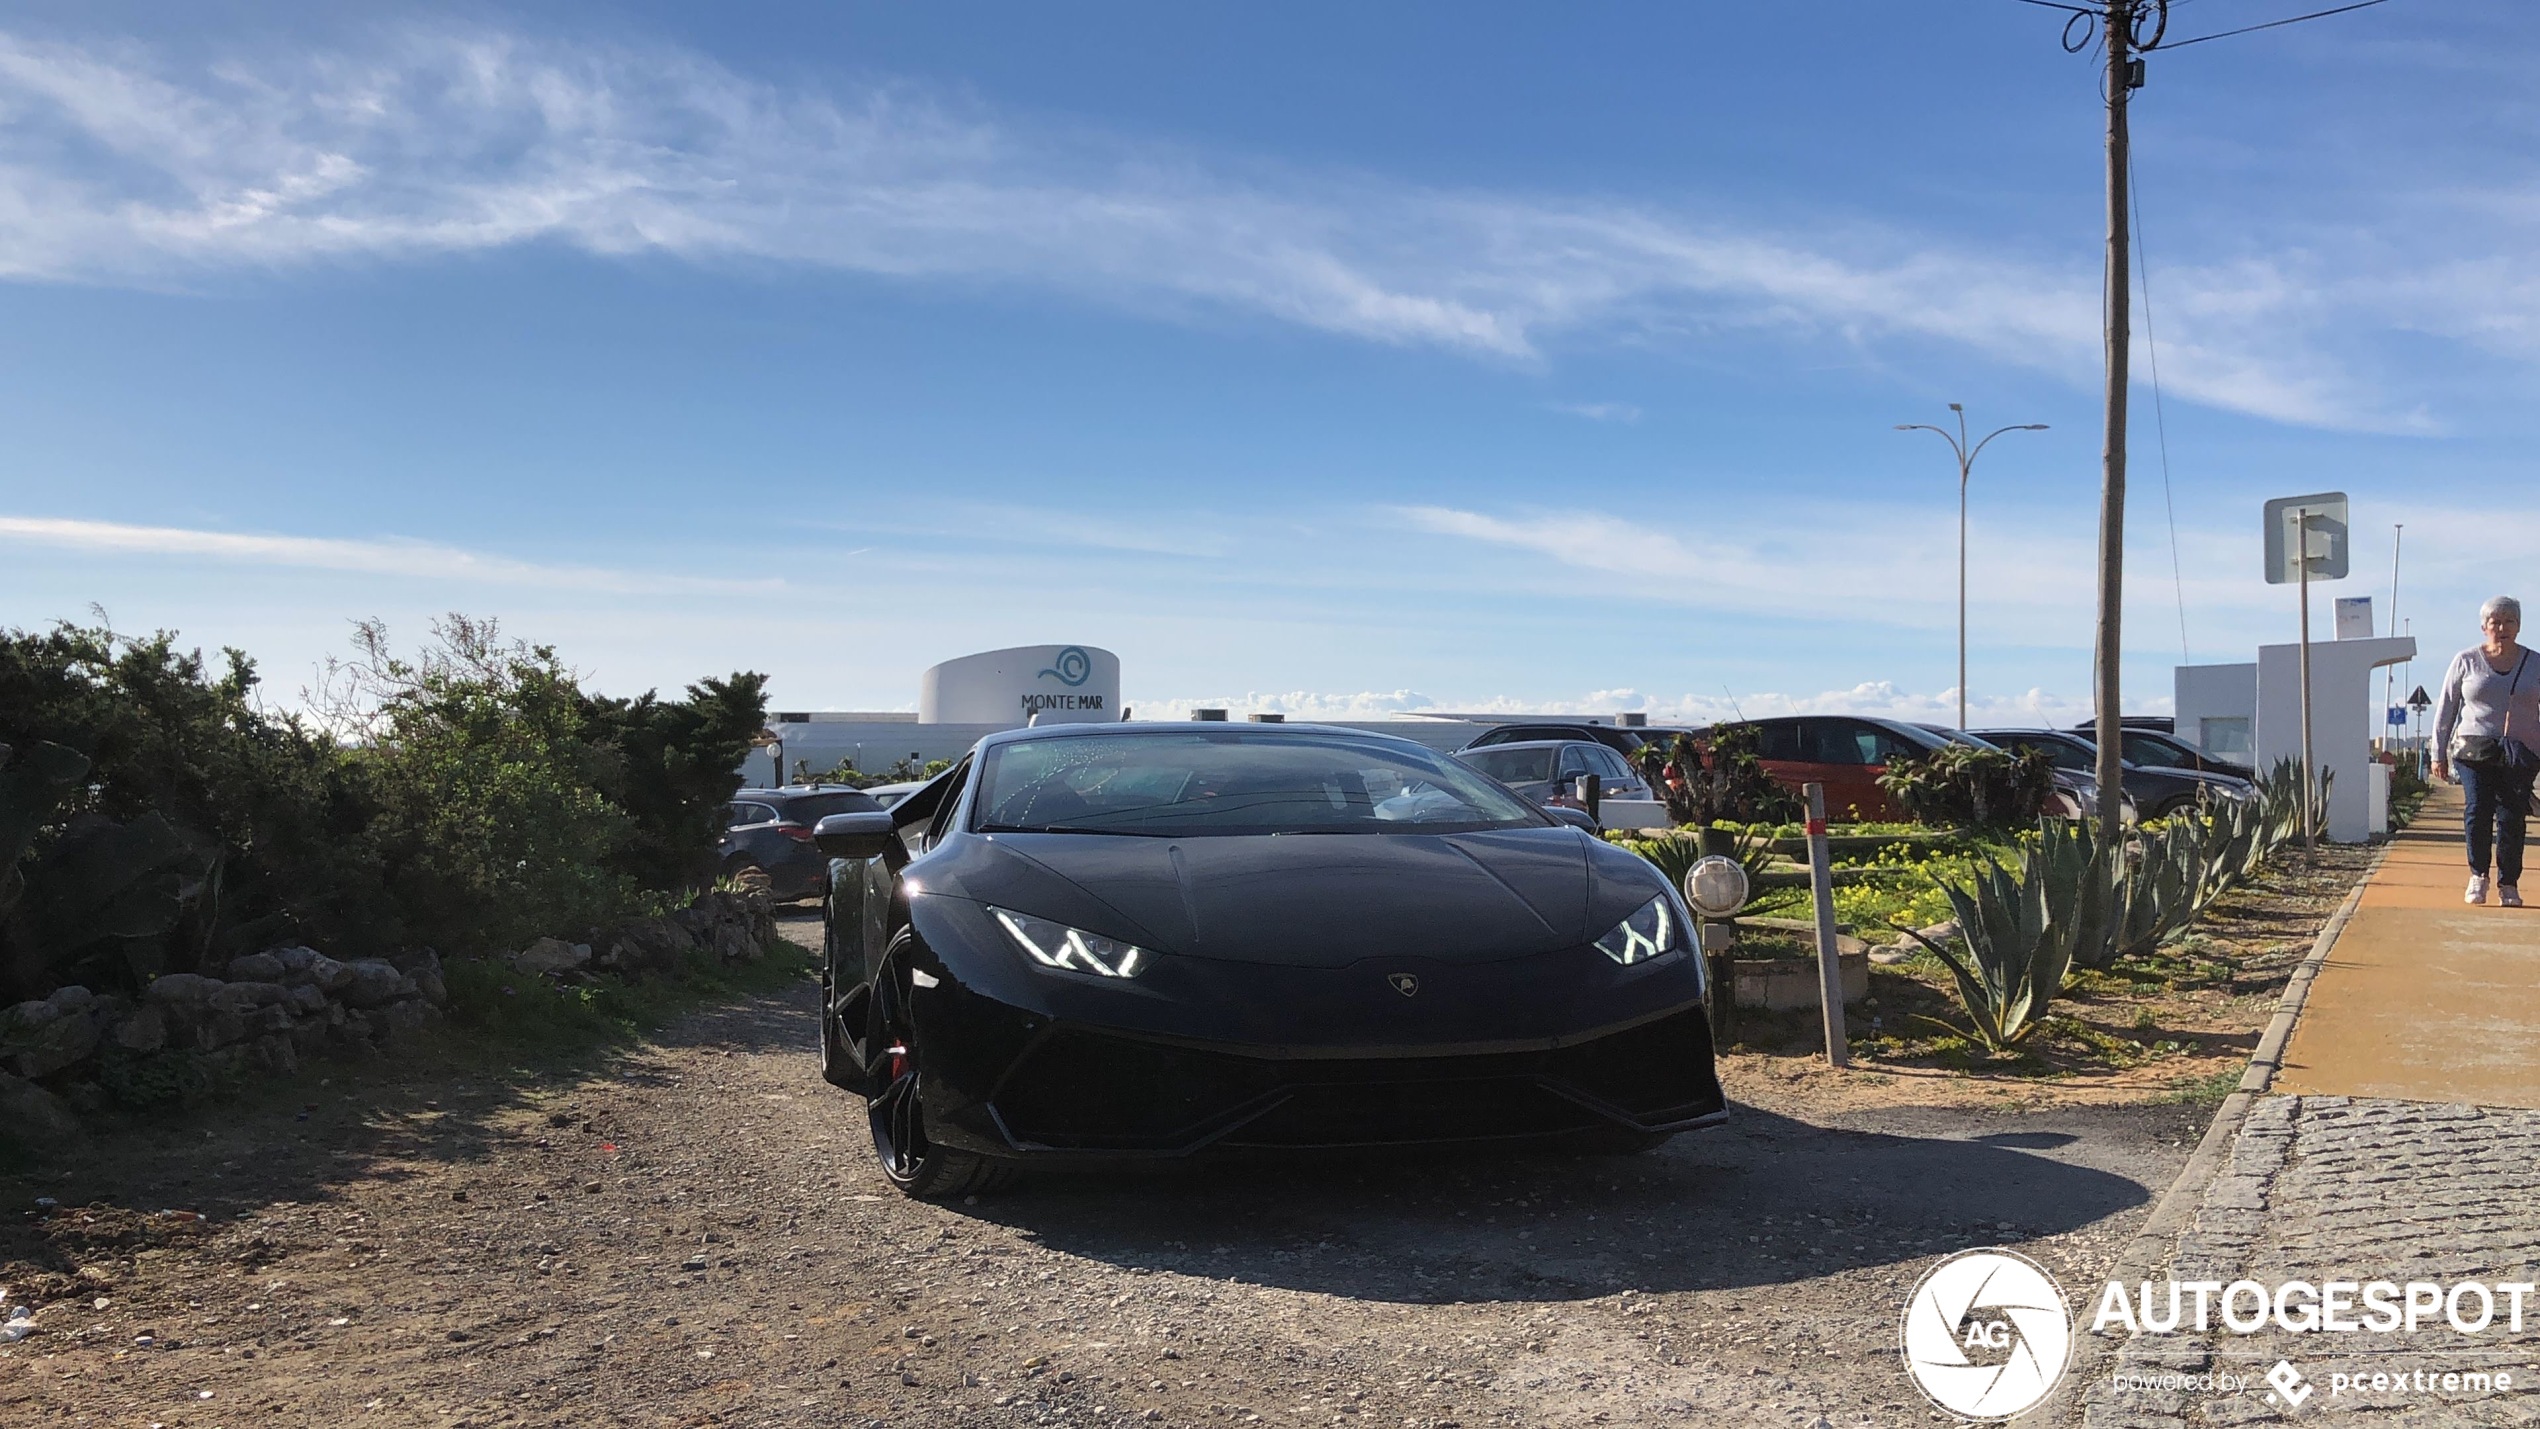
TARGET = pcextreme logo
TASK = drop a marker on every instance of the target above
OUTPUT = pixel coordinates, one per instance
(1986, 1334)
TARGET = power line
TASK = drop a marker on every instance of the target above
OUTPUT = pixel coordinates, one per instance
(2160, 417)
(2272, 24)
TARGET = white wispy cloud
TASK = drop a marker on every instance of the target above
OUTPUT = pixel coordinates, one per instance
(130, 166)
(1600, 411)
(1880, 698)
(421, 560)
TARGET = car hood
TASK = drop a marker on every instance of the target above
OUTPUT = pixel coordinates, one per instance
(1312, 900)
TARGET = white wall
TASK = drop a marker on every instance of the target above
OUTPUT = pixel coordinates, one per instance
(1061, 684)
(2217, 692)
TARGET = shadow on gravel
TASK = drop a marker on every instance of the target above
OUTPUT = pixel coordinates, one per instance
(1762, 1201)
(382, 1121)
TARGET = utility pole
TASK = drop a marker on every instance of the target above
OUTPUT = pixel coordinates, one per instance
(2390, 674)
(2124, 73)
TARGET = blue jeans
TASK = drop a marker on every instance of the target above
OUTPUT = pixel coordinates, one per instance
(2496, 799)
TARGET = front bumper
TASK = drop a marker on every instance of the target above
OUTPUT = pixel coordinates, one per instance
(1197, 1058)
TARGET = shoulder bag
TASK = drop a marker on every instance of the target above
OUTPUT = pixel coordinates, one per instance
(2498, 751)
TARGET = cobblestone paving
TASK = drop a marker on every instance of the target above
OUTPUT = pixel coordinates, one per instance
(2324, 1188)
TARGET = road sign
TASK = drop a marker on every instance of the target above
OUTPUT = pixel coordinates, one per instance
(2420, 700)
(2324, 542)
(2397, 717)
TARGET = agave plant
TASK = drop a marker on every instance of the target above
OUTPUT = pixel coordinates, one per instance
(2018, 949)
(2159, 893)
(2233, 848)
(2084, 885)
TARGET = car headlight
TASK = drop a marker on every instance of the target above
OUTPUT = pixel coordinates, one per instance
(1653, 931)
(1055, 945)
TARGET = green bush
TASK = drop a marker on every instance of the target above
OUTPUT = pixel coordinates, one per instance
(1960, 786)
(1718, 778)
(472, 796)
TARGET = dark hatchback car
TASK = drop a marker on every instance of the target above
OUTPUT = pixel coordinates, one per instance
(2158, 793)
(2158, 749)
(1123, 941)
(768, 835)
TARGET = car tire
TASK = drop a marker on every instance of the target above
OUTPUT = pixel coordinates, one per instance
(2184, 803)
(909, 1157)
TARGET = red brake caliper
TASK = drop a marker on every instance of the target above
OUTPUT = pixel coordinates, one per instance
(895, 1061)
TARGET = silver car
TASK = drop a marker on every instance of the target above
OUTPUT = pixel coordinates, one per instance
(1548, 771)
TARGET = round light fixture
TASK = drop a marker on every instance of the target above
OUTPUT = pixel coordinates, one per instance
(1716, 886)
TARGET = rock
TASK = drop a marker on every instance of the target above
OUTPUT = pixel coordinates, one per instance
(424, 966)
(307, 1001)
(549, 956)
(293, 960)
(143, 1032)
(275, 1052)
(256, 967)
(375, 982)
(182, 994)
(43, 1037)
(71, 999)
(217, 1028)
(323, 973)
(23, 1018)
(244, 997)
(403, 1019)
(309, 1035)
(33, 1116)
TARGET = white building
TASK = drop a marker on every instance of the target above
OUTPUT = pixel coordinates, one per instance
(961, 701)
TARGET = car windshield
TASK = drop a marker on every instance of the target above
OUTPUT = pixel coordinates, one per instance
(1512, 766)
(1194, 783)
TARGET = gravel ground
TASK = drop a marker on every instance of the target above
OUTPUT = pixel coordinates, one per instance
(694, 1234)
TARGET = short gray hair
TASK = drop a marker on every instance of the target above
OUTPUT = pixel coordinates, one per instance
(2503, 605)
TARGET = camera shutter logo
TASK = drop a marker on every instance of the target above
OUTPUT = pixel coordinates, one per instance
(1987, 1334)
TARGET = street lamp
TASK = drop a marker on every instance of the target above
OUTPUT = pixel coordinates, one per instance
(1966, 462)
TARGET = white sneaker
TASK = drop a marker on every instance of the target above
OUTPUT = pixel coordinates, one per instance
(2509, 896)
(2477, 892)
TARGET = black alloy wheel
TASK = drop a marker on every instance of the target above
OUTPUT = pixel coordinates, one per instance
(896, 1104)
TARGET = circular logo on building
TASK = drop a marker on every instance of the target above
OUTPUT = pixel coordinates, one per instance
(1987, 1334)
(1073, 668)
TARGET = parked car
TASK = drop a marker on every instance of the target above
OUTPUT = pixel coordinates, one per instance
(2076, 790)
(888, 794)
(768, 836)
(1624, 740)
(2155, 749)
(1846, 753)
(2158, 793)
(1548, 770)
(1102, 941)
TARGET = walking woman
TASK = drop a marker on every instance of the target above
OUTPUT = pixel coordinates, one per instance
(2487, 732)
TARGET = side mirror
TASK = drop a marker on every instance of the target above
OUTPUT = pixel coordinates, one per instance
(1575, 818)
(857, 835)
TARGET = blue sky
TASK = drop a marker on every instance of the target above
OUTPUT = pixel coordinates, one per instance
(1321, 357)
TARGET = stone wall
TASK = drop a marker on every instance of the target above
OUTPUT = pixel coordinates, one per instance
(81, 1051)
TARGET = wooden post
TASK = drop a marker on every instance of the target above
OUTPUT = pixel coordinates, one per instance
(1829, 960)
